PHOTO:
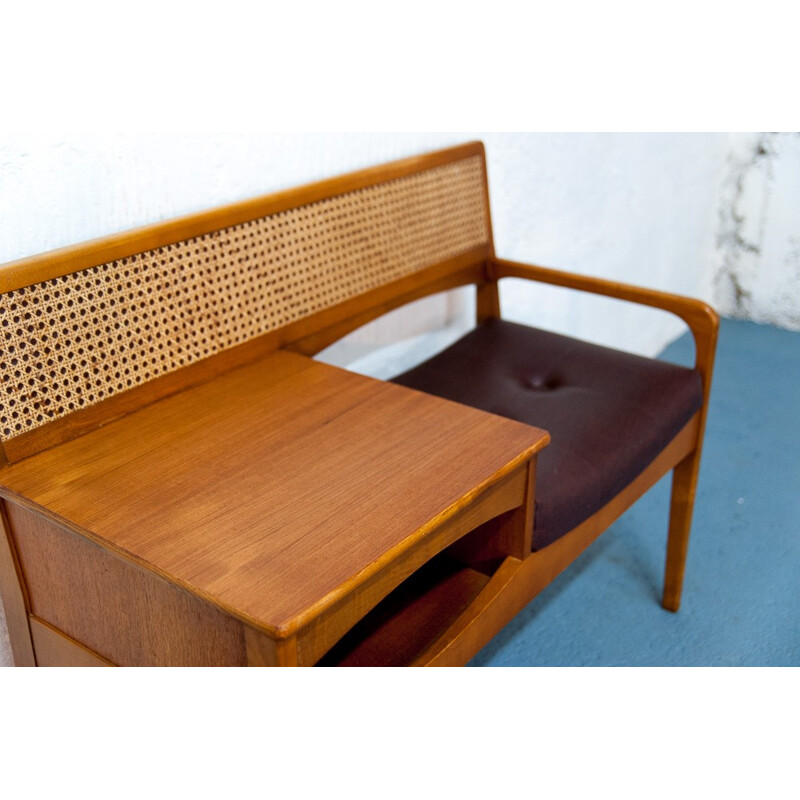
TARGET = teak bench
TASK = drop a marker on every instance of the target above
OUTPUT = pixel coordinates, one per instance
(183, 484)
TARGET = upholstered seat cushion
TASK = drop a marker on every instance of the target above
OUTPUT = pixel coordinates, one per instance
(608, 413)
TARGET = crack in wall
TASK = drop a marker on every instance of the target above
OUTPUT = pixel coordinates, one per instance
(757, 275)
(732, 238)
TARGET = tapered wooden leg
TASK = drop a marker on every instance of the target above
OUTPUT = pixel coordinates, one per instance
(684, 484)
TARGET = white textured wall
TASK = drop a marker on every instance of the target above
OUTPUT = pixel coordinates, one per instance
(758, 242)
(638, 208)
(643, 208)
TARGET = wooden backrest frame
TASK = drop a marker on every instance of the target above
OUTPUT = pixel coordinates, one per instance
(307, 335)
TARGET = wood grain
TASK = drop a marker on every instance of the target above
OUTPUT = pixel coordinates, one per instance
(278, 487)
(321, 630)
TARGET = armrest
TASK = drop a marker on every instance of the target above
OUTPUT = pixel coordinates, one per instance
(699, 316)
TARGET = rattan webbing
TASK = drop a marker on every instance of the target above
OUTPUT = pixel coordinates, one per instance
(73, 341)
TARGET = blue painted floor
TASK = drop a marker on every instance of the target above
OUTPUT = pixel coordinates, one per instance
(741, 596)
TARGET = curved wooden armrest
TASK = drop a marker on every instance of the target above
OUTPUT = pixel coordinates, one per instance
(699, 316)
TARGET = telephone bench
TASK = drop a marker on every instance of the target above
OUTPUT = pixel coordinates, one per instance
(183, 484)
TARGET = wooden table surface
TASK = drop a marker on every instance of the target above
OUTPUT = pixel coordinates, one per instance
(275, 487)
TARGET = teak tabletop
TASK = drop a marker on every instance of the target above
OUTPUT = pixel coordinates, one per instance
(274, 488)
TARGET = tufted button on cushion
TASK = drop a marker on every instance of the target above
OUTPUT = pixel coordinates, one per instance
(608, 413)
(540, 383)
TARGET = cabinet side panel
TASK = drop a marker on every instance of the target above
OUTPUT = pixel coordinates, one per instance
(124, 614)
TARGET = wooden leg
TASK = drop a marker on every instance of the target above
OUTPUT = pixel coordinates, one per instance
(15, 597)
(684, 483)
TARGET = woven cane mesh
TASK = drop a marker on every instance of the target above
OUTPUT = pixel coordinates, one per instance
(73, 341)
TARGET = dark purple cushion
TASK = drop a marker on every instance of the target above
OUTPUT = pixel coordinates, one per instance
(608, 413)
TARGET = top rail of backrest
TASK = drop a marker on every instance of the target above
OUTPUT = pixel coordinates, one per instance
(93, 331)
